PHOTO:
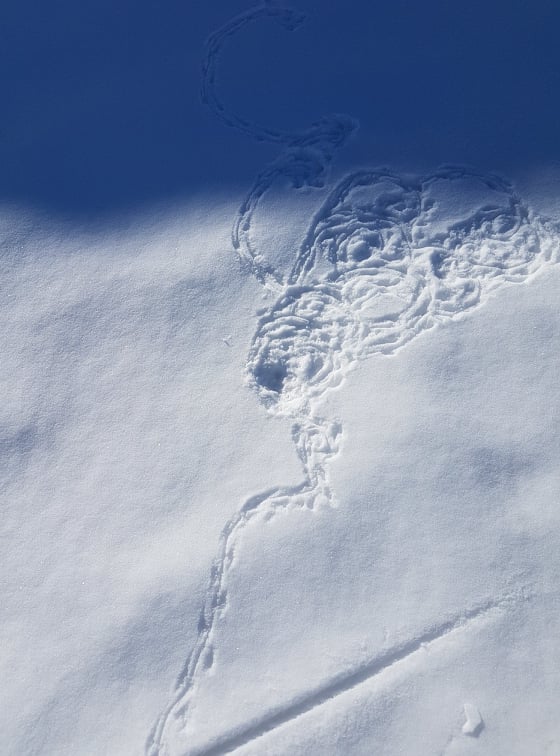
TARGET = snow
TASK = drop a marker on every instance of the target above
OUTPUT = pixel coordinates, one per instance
(474, 723)
(118, 472)
(424, 555)
(280, 459)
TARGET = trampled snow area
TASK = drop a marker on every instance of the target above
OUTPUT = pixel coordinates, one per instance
(281, 464)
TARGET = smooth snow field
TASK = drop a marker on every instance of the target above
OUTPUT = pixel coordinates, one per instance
(280, 453)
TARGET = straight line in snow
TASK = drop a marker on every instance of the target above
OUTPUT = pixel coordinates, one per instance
(345, 682)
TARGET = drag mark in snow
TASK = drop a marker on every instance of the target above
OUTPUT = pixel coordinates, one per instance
(337, 686)
(385, 258)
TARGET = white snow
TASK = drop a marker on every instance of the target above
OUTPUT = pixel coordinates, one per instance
(353, 611)
(417, 569)
(281, 467)
(474, 723)
(127, 440)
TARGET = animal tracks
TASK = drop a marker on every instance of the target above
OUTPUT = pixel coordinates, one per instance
(306, 154)
(385, 258)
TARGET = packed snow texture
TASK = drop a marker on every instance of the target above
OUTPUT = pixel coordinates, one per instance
(303, 505)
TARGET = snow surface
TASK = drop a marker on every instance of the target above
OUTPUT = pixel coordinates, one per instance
(127, 441)
(280, 464)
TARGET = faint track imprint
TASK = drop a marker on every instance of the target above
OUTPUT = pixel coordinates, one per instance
(383, 260)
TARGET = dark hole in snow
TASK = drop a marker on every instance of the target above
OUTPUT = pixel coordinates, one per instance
(361, 252)
(437, 259)
(271, 376)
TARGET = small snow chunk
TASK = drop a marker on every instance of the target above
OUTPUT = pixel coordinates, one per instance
(474, 724)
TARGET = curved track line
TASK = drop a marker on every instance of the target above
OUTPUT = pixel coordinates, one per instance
(306, 153)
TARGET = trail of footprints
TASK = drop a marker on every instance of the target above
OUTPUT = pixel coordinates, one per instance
(382, 262)
(385, 258)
